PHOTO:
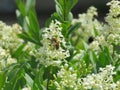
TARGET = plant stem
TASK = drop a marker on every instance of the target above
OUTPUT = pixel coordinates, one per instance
(48, 79)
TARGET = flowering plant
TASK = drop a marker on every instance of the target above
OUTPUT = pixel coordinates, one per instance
(67, 54)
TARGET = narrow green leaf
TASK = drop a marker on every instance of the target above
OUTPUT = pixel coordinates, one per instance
(59, 9)
(70, 16)
(28, 38)
(54, 16)
(65, 27)
(2, 80)
(103, 61)
(117, 76)
(28, 80)
(34, 26)
(30, 4)
(43, 87)
(73, 28)
(18, 52)
(28, 20)
(21, 7)
(108, 55)
(63, 8)
(85, 45)
(87, 59)
(19, 17)
(38, 82)
(14, 73)
(105, 57)
(96, 32)
(93, 60)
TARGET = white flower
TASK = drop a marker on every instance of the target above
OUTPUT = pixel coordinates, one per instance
(8, 36)
(101, 40)
(67, 78)
(11, 61)
(100, 81)
(113, 39)
(3, 53)
(5, 58)
(52, 51)
(94, 45)
(113, 18)
(114, 8)
(90, 26)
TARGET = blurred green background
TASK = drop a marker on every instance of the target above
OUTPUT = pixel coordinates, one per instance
(45, 8)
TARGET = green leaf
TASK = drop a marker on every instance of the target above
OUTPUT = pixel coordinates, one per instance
(28, 20)
(34, 27)
(70, 16)
(65, 27)
(63, 8)
(28, 80)
(2, 79)
(18, 52)
(27, 38)
(26, 6)
(85, 45)
(103, 60)
(19, 17)
(117, 76)
(105, 57)
(38, 82)
(87, 59)
(21, 7)
(93, 59)
(14, 73)
(30, 4)
(73, 28)
(54, 16)
(96, 32)
(108, 55)
(59, 9)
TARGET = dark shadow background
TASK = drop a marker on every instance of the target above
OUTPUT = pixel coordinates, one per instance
(45, 8)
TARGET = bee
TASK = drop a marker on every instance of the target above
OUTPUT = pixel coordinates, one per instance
(55, 42)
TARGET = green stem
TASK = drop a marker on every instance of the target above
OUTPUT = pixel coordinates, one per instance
(48, 79)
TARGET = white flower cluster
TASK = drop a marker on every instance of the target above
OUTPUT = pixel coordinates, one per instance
(98, 41)
(94, 45)
(8, 36)
(113, 17)
(52, 52)
(5, 58)
(111, 35)
(100, 81)
(67, 77)
(114, 7)
(8, 42)
(114, 39)
(89, 25)
(113, 20)
(104, 34)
